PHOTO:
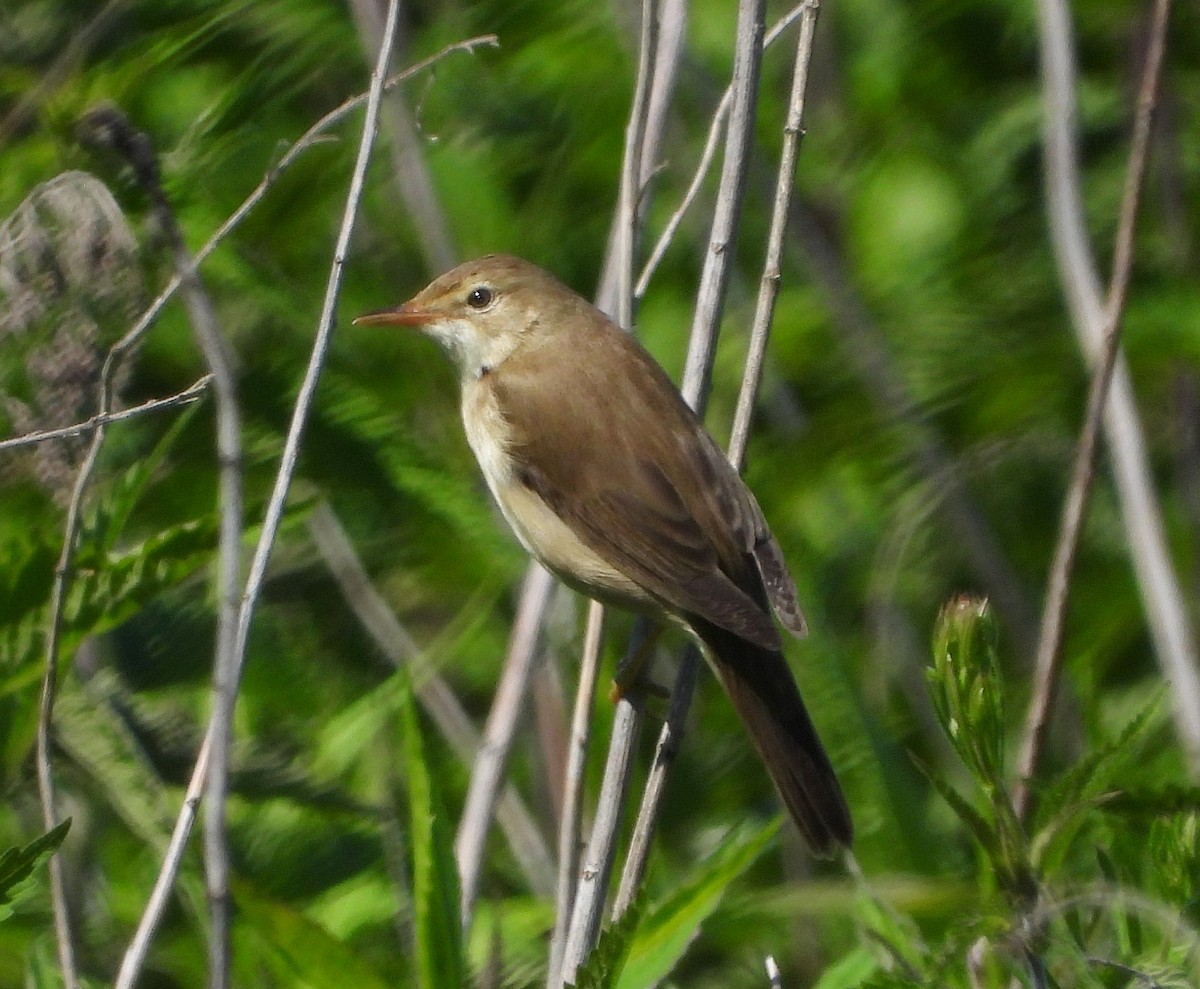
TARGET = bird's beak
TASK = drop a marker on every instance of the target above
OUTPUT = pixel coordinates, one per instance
(405, 315)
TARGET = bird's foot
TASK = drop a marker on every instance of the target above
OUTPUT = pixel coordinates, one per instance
(631, 671)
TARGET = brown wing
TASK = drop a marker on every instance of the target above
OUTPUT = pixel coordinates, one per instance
(736, 508)
(667, 511)
(643, 530)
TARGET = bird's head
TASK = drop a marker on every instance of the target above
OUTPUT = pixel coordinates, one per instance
(482, 311)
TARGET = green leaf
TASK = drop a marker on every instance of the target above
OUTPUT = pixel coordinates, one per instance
(440, 960)
(294, 949)
(849, 971)
(606, 962)
(18, 864)
(981, 829)
(1062, 807)
(672, 925)
(114, 514)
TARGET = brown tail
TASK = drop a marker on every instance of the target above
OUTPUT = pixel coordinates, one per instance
(762, 690)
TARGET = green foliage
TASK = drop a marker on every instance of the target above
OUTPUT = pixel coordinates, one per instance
(1051, 920)
(606, 962)
(437, 930)
(967, 698)
(17, 867)
(290, 949)
(665, 931)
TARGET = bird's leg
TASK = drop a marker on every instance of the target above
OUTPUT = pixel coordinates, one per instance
(630, 671)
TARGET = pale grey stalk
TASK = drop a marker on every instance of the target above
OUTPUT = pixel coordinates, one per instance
(669, 738)
(571, 823)
(433, 693)
(487, 772)
(667, 34)
(628, 208)
(193, 393)
(1167, 613)
(409, 169)
(64, 943)
(135, 955)
(710, 298)
(706, 158)
(596, 866)
(203, 317)
(668, 50)
(1049, 654)
(768, 289)
(711, 143)
(152, 915)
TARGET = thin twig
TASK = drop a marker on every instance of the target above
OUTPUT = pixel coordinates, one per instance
(139, 947)
(570, 824)
(710, 297)
(639, 847)
(711, 143)
(706, 158)
(193, 393)
(596, 866)
(1049, 654)
(768, 289)
(487, 773)
(309, 139)
(409, 171)
(111, 129)
(300, 413)
(629, 206)
(669, 31)
(1167, 613)
(62, 572)
(637, 856)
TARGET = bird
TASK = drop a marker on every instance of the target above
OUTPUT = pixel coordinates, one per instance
(611, 481)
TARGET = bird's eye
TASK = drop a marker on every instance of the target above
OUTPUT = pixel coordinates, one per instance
(480, 297)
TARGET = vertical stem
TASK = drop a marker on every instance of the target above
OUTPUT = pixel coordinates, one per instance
(1049, 654)
(570, 827)
(487, 773)
(1167, 614)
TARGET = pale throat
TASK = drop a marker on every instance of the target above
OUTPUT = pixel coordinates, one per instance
(474, 352)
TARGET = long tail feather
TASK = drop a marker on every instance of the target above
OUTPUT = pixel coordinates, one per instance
(765, 695)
